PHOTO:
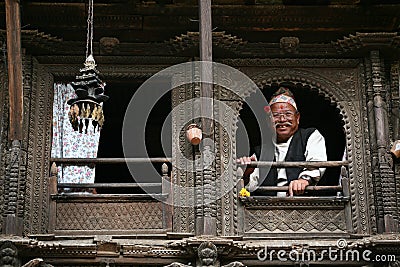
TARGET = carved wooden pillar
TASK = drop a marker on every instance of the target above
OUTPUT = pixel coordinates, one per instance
(382, 141)
(395, 95)
(183, 172)
(15, 91)
(38, 89)
(225, 138)
(3, 128)
(395, 120)
(374, 150)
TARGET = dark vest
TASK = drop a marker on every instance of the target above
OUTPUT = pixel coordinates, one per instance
(295, 152)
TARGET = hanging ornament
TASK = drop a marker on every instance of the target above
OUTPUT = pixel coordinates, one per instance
(89, 88)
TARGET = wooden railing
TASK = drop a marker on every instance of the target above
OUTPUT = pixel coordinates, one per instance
(298, 164)
(93, 161)
(343, 187)
(86, 161)
(255, 164)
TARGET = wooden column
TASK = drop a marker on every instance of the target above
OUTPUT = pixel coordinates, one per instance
(13, 22)
(206, 224)
(390, 220)
(206, 89)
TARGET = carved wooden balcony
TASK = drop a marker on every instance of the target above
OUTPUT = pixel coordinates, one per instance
(109, 214)
(302, 216)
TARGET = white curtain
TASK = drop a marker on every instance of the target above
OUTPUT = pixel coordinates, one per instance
(68, 143)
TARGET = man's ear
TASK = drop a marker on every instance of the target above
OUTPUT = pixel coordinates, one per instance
(298, 117)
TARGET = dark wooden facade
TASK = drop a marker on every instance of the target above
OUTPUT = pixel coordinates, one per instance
(346, 53)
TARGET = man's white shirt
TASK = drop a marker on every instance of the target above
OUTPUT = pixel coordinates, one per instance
(315, 151)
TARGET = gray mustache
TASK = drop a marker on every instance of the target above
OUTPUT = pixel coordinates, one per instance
(283, 124)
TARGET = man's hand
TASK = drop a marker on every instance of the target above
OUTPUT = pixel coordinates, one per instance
(249, 170)
(297, 187)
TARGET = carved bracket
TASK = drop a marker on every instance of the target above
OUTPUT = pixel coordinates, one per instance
(361, 40)
(209, 251)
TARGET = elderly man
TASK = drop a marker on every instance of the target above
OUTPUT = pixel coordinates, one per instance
(293, 144)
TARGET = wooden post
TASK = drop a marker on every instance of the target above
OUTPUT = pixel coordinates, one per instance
(206, 224)
(53, 204)
(13, 22)
(206, 89)
(10, 224)
(345, 182)
(167, 204)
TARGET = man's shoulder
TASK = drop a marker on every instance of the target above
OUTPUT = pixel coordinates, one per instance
(310, 133)
(307, 131)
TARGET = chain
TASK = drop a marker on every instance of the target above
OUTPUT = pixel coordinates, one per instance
(89, 34)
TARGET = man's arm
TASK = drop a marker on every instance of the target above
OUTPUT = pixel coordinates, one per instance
(315, 151)
(250, 175)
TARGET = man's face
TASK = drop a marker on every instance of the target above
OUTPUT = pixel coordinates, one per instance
(286, 120)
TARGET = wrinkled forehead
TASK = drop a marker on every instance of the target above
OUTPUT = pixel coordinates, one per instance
(279, 107)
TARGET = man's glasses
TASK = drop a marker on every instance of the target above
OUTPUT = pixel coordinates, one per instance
(287, 115)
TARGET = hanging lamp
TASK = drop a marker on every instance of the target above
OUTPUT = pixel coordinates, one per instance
(89, 89)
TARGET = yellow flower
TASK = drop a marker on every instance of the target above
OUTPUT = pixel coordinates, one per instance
(244, 192)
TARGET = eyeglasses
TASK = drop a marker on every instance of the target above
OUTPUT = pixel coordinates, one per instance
(287, 114)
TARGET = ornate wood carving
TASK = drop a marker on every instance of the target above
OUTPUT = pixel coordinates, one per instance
(208, 187)
(3, 137)
(361, 40)
(183, 176)
(382, 140)
(141, 250)
(374, 174)
(38, 143)
(292, 63)
(289, 45)
(207, 251)
(54, 251)
(393, 101)
(9, 255)
(220, 39)
(326, 220)
(98, 215)
(395, 124)
(38, 40)
(226, 166)
(135, 62)
(367, 164)
(14, 173)
(108, 71)
(180, 12)
(109, 45)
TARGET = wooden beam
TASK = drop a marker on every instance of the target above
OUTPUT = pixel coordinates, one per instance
(206, 89)
(297, 164)
(308, 188)
(13, 25)
(74, 161)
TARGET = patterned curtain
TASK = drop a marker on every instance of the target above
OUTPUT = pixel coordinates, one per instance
(68, 143)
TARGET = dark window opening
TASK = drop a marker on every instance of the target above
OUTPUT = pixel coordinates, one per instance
(315, 111)
(111, 146)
